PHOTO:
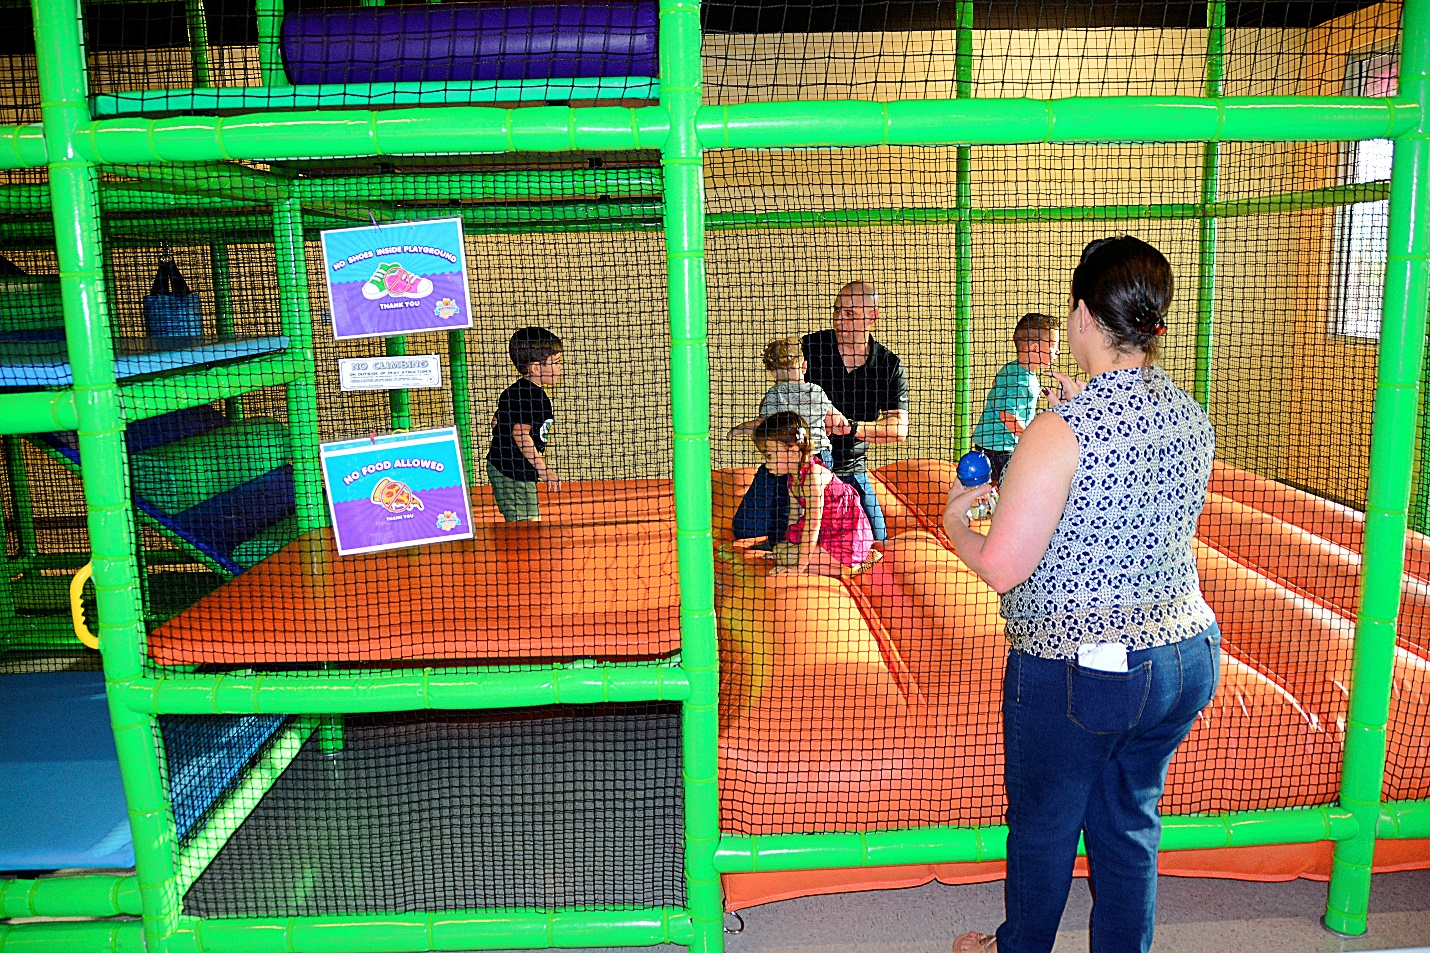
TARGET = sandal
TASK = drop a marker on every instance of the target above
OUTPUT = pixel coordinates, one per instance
(976, 943)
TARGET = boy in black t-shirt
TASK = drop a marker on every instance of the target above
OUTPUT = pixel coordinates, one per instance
(515, 462)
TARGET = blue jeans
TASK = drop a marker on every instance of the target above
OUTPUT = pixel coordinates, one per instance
(764, 510)
(1087, 754)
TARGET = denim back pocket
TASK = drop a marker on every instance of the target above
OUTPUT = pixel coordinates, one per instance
(1105, 703)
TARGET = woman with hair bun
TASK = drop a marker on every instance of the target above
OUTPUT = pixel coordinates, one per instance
(1113, 650)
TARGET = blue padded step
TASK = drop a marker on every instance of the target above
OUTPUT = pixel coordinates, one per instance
(220, 524)
(59, 775)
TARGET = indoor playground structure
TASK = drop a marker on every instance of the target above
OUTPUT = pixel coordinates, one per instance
(227, 728)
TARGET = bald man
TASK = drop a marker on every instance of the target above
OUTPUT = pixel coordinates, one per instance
(866, 382)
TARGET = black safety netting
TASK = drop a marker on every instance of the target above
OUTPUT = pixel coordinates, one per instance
(871, 698)
(755, 51)
(216, 285)
(567, 807)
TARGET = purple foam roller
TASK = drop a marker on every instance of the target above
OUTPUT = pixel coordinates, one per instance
(470, 42)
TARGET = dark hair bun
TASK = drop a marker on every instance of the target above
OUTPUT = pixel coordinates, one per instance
(1126, 285)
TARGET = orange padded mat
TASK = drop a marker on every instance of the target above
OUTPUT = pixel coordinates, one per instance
(595, 578)
(875, 702)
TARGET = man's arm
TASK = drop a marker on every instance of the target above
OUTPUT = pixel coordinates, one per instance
(891, 427)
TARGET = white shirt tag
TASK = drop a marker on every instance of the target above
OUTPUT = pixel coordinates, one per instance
(1103, 657)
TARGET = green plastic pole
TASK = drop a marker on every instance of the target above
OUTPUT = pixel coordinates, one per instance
(1206, 233)
(346, 691)
(223, 311)
(112, 534)
(398, 401)
(463, 414)
(93, 936)
(20, 489)
(225, 817)
(291, 258)
(270, 43)
(943, 845)
(963, 245)
(1404, 819)
(97, 895)
(22, 147)
(1397, 400)
(682, 162)
(38, 412)
(197, 22)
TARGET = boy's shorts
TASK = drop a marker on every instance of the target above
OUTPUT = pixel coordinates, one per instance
(998, 461)
(515, 498)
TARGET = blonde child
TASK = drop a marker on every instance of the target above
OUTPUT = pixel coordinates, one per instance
(784, 360)
(1013, 399)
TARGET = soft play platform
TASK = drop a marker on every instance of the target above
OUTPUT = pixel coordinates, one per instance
(42, 361)
(594, 579)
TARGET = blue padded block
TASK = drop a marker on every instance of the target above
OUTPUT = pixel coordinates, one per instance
(219, 524)
(59, 775)
(40, 361)
(206, 754)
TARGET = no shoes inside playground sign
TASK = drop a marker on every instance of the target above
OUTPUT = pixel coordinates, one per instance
(402, 278)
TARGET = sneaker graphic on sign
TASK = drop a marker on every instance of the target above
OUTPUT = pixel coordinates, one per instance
(392, 280)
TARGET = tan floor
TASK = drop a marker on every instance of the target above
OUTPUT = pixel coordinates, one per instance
(1193, 916)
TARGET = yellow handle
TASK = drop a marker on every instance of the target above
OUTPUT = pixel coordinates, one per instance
(81, 631)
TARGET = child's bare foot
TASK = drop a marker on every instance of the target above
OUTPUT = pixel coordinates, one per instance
(976, 943)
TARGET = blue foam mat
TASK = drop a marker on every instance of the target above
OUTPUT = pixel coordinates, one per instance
(59, 775)
(42, 361)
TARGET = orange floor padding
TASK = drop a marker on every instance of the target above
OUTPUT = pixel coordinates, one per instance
(595, 578)
(796, 756)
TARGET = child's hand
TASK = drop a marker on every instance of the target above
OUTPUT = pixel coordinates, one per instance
(837, 423)
(552, 481)
(734, 432)
(1067, 389)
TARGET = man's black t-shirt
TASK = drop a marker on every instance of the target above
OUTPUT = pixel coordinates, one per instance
(521, 403)
(865, 393)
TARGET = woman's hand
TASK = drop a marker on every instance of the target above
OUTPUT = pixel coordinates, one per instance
(1067, 389)
(961, 499)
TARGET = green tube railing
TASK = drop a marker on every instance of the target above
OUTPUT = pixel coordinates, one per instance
(38, 412)
(1397, 401)
(944, 845)
(963, 244)
(93, 936)
(463, 415)
(97, 895)
(224, 818)
(355, 691)
(23, 147)
(502, 929)
(1207, 228)
(399, 403)
(782, 125)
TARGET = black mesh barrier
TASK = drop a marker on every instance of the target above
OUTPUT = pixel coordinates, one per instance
(551, 808)
(871, 698)
(755, 51)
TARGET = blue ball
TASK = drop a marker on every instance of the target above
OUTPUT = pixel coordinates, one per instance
(974, 468)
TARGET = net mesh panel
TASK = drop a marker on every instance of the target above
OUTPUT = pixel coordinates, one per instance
(874, 702)
(222, 490)
(887, 51)
(567, 807)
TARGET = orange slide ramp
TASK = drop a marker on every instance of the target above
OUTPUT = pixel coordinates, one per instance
(819, 735)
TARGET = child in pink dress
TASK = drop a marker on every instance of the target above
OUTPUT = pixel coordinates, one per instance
(828, 531)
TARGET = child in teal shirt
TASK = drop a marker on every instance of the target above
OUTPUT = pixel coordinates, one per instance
(1013, 398)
